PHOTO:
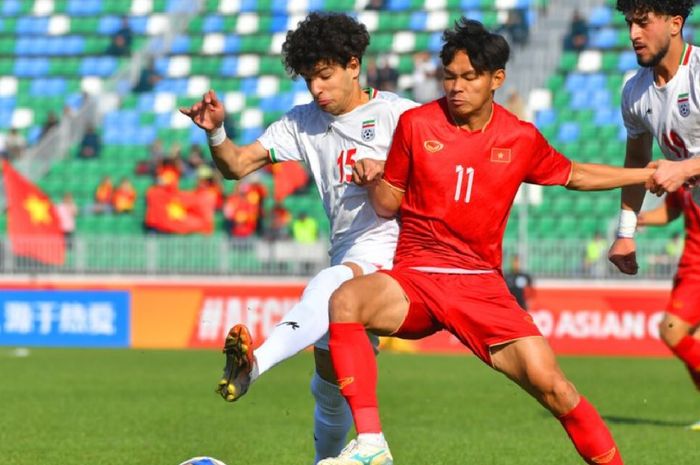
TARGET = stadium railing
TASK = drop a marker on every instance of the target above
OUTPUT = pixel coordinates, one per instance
(220, 255)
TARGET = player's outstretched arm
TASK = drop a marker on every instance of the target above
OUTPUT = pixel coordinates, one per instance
(671, 175)
(234, 162)
(594, 177)
(385, 198)
(659, 216)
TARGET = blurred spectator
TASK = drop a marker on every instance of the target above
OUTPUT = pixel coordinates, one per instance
(168, 172)
(674, 247)
(280, 222)
(147, 79)
(121, 40)
(50, 123)
(15, 143)
(305, 229)
(90, 146)
(124, 197)
(577, 37)
(103, 196)
(519, 283)
(195, 160)
(515, 104)
(595, 260)
(380, 74)
(67, 210)
(241, 211)
(376, 5)
(426, 83)
(208, 188)
(516, 26)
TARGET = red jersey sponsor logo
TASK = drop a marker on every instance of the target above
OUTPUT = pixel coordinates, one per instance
(433, 146)
(500, 155)
(345, 382)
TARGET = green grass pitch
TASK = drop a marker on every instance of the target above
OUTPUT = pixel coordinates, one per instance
(109, 407)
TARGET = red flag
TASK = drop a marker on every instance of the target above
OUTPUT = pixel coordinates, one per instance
(178, 212)
(32, 223)
(288, 177)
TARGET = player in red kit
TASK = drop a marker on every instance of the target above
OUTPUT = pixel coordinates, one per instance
(680, 327)
(452, 173)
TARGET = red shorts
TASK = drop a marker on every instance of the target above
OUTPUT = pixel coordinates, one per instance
(477, 308)
(685, 300)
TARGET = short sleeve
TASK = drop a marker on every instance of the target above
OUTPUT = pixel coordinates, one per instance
(398, 162)
(674, 200)
(280, 139)
(547, 166)
(634, 126)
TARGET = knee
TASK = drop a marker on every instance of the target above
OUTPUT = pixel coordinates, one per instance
(343, 306)
(558, 394)
(670, 332)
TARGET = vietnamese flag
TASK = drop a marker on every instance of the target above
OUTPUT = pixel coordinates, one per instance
(32, 223)
(288, 177)
(178, 212)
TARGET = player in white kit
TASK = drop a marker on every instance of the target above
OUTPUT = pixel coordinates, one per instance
(662, 102)
(343, 136)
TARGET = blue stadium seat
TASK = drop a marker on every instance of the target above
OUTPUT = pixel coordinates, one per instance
(5, 118)
(31, 67)
(604, 38)
(212, 23)
(108, 25)
(568, 132)
(181, 44)
(8, 103)
(197, 136)
(545, 118)
(181, 6)
(249, 5)
(398, 5)
(138, 24)
(229, 66)
(11, 7)
(595, 81)
(249, 135)
(435, 42)
(278, 23)
(163, 120)
(600, 16)
(145, 101)
(470, 4)
(84, 7)
(574, 82)
(419, 21)
(30, 25)
(628, 61)
(232, 43)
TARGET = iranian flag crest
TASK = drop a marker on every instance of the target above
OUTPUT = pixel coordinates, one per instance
(684, 105)
(368, 130)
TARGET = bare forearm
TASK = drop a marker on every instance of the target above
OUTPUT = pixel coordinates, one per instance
(593, 177)
(236, 162)
(384, 199)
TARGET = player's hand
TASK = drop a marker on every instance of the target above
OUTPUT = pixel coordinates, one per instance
(669, 176)
(623, 255)
(367, 171)
(208, 114)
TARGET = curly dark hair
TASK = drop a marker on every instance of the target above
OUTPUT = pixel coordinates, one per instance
(665, 7)
(324, 38)
(487, 51)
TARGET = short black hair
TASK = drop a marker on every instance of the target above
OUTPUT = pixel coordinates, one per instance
(487, 51)
(324, 38)
(664, 7)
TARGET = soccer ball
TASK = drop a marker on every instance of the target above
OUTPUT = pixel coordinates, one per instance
(202, 461)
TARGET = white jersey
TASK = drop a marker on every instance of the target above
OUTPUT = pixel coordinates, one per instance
(670, 113)
(330, 145)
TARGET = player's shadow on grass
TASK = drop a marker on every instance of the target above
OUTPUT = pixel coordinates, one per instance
(644, 421)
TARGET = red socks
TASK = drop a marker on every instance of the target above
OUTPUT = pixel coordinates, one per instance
(356, 370)
(688, 350)
(590, 435)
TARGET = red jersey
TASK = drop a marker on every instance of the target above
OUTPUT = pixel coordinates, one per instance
(682, 200)
(460, 185)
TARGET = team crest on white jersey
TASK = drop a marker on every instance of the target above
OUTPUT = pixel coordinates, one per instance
(684, 105)
(368, 130)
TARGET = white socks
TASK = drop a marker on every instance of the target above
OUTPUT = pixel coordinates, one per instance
(305, 323)
(332, 418)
